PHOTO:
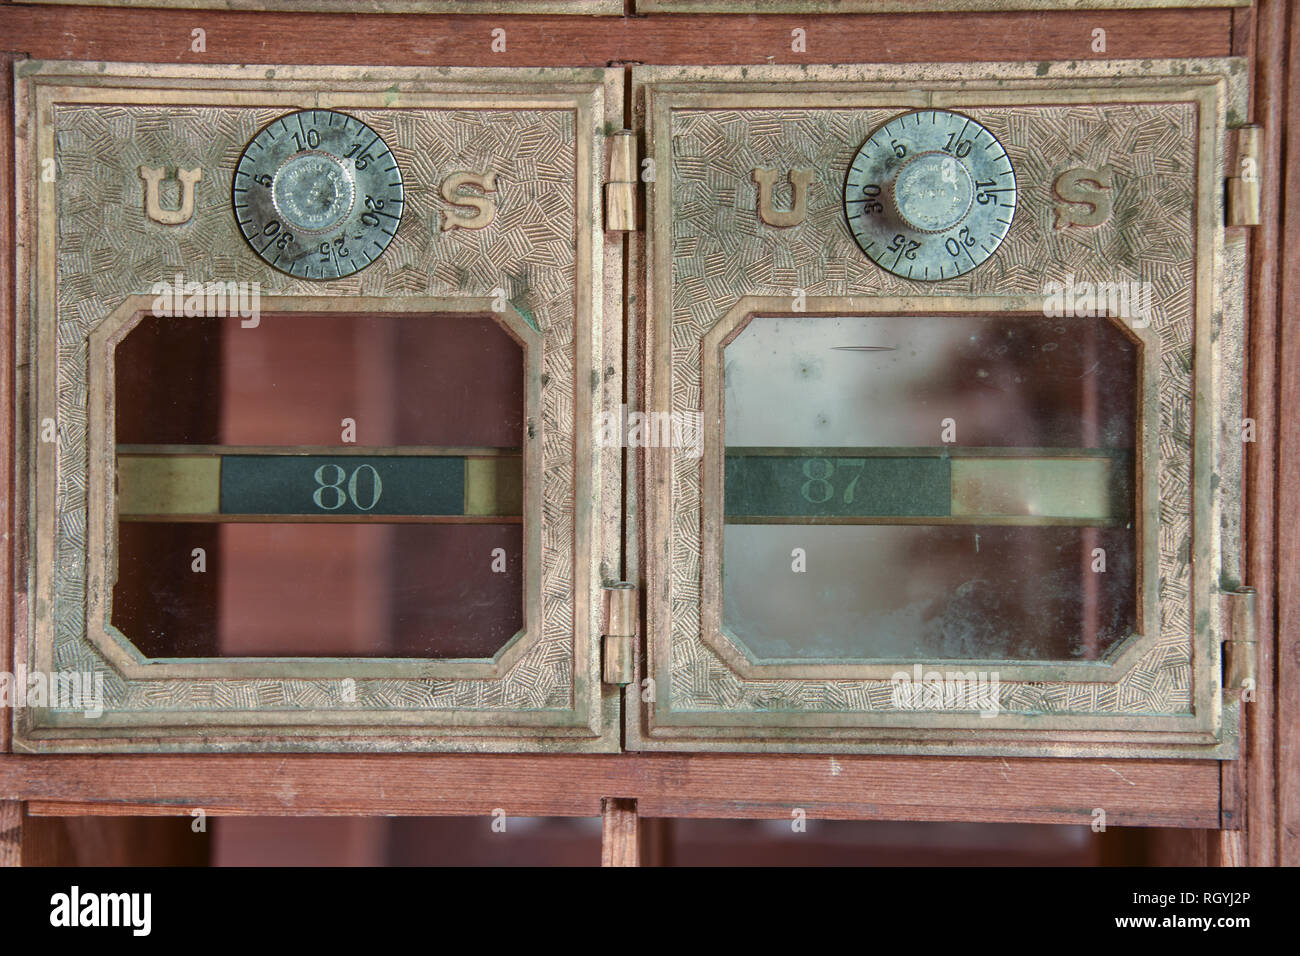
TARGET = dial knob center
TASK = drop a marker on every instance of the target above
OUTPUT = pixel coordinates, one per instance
(933, 192)
(298, 191)
(313, 192)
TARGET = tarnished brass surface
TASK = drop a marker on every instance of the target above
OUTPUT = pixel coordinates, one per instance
(85, 283)
(902, 6)
(619, 663)
(171, 487)
(1244, 184)
(1241, 667)
(158, 485)
(583, 7)
(985, 486)
(1038, 488)
(620, 189)
(1157, 130)
(493, 486)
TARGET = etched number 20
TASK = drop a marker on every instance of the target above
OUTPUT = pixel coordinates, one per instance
(342, 496)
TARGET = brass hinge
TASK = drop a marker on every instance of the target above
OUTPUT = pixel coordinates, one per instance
(620, 188)
(1241, 649)
(618, 644)
(1243, 188)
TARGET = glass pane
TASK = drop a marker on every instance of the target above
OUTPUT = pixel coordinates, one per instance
(319, 485)
(930, 487)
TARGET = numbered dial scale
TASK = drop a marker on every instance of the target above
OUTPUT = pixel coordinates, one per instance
(930, 195)
(318, 194)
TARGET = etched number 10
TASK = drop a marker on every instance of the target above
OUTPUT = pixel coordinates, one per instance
(342, 497)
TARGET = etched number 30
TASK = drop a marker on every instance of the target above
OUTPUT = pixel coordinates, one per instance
(341, 496)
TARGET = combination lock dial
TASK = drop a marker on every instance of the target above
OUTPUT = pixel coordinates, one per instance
(318, 194)
(930, 195)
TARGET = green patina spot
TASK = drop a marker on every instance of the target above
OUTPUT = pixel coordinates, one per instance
(527, 316)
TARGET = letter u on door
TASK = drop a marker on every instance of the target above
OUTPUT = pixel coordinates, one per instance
(783, 218)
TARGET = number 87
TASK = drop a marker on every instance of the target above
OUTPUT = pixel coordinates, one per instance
(818, 488)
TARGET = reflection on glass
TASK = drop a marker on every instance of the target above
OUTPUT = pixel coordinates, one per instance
(929, 487)
(326, 485)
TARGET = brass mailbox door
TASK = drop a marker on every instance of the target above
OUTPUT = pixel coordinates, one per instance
(942, 365)
(313, 365)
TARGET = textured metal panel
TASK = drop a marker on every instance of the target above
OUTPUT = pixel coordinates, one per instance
(1152, 146)
(106, 253)
(170, 485)
(537, 250)
(903, 6)
(583, 7)
(707, 130)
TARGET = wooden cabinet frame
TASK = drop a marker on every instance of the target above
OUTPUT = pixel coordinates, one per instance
(1255, 800)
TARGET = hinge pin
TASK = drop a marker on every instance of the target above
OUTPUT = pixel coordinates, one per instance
(1243, 188)
(618, 647)
(1241, 651)
(620, 188)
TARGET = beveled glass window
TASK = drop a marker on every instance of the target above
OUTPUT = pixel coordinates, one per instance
(353, 482)
(934, 487)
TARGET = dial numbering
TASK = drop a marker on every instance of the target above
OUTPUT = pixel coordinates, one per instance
(318, 194)
(930, 195)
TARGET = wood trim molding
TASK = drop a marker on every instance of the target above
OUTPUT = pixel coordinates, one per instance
(1266, 565)
(1285, 750)
(11, 833)
(164, 36)
(8, 311)
(1164, 793)
(620, 833)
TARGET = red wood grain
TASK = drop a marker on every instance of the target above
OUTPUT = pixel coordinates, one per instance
(620, 832)
(8, 306)
(164, 36)
(1166, 793)
(1262, 457)
(1151, 793)
(1287, 674)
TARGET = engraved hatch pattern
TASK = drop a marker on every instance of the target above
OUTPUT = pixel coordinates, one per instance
(107, 250)
(721, 251)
